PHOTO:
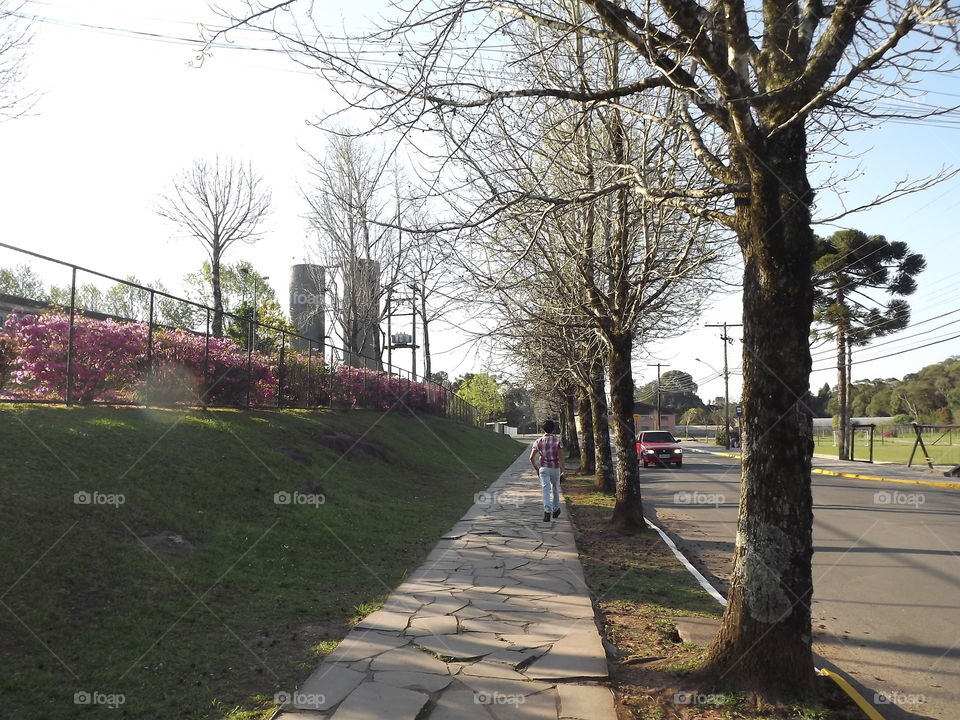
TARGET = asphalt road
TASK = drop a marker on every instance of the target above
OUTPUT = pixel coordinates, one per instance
(886, 570)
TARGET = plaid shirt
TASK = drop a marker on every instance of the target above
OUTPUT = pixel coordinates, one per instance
(549, 448)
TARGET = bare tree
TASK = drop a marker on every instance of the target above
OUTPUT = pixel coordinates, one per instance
(353, 209)
(218, 204)
(15, 35)
(429, 266)
(758, 86)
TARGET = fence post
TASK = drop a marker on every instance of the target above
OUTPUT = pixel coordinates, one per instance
(249, 361)
(309, 395)
(206, 362)
(150, 338)
(283, 342)
(68, 390)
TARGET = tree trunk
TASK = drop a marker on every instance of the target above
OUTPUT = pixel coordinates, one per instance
(603, 465)
(427, 367)
(843, 399)
(217, 295)
(628, 509)
(764, 642)
(588, 460)
(573, 441)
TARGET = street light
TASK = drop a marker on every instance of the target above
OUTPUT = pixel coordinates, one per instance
(726, 396)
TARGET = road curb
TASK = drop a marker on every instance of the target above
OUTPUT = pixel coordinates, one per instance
(854, 476)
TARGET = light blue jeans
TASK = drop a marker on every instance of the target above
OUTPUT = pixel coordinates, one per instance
(550, 477)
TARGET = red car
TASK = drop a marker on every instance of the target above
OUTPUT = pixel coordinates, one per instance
(658, 446)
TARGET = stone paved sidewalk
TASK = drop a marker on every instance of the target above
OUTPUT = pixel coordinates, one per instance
(497, 623)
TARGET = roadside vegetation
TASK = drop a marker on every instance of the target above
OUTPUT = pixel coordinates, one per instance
(191, 565)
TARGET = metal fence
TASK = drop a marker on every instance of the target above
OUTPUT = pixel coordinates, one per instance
(98, 339)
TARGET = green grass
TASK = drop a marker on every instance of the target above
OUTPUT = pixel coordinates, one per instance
(896, 450)
(240, 596)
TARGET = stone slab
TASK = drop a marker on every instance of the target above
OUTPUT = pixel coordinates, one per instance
(360, 644)
(697, 630)
(577, 655)
(425, 682)
(456, 705)
(542, 706)
(432, 625)
(376, 700)
(408, 659)
(586, 702)
(385, 620)
(462, 647)
(330, 682)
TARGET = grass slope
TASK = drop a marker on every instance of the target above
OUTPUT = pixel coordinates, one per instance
(200, 596)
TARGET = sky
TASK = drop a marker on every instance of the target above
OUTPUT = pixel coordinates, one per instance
(119, 114)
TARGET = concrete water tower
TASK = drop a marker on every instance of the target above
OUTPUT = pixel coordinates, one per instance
(307, 307)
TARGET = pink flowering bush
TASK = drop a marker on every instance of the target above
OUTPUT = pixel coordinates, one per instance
(110, 363)
(107, 356)
(372, 389)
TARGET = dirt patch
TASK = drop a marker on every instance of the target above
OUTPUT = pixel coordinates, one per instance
(352, 445)
(170, 543)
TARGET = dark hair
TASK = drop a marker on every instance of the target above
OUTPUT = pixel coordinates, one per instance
(548, 426)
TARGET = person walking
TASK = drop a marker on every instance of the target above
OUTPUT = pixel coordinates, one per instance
(548, 449)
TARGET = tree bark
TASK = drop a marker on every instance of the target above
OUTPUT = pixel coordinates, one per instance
(588, 459)
(573, 441)
(217, 295)
(603, 464)
(764, 642)
(427, 367)
(628, 509)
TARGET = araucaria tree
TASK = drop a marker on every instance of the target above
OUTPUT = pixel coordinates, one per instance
(850, 266)
(752, 85)
(218, 203)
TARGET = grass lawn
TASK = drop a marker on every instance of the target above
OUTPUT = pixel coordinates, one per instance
(186, 587)
(896, 450)
(640, 590)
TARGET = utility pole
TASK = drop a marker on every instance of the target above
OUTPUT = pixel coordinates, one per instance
(658, 366)
(413, 320)
(726, 379)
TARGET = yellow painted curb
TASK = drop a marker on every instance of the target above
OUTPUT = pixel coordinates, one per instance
(867, 708)
(855, 476)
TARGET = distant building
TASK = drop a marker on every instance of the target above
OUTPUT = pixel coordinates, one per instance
(645, 418)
